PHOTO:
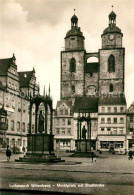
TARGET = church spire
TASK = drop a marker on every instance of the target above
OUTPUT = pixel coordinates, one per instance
(74, 20)
(112, 18)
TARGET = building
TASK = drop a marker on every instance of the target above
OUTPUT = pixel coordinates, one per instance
(130, 126)
(15, 91)
(96, 87)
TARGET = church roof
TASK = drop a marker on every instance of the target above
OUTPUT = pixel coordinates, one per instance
(25, 78)
(112, 99)
(112, 29)
(92, 67)
(90, 104)
(75, 31)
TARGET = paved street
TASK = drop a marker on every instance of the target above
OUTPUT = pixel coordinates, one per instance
(111, 174)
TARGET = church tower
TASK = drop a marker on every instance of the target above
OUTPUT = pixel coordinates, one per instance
(111, 75)
(72, 62)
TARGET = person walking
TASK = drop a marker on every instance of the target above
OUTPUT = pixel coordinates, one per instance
(130, 155)
(92, 155)
(8, 153)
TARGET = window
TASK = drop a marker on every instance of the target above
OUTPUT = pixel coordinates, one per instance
(103, 109)
(102, 120)
(13, 104)
(58, 122)
(114, 130)
(72, 65)
(108, 120)
(91, 74)
(121, 130)
(109, 109)
(131, 129)
(115, 109)
(102, 129)
(63, 122)
(121, 109)
(12, 125)
(18, 126)
(69, 131)
(19, 107)
(73, 88)
(121, 120)
(131, 118)
(61, 112)
(23, 127)
(13, 141)
(57, 131)
(66, 112)
(111, 64)
(115, 120)
(33, 128)
(69, 122)
(28, 127)
(19, 142)
(63, 132)
(108, 129)
(111, 88)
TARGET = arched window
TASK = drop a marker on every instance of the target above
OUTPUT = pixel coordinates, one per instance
(72, 65)
(73, 89)
(111, 64)
(111, 88)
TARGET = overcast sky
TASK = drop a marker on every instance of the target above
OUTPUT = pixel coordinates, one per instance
(35, 29)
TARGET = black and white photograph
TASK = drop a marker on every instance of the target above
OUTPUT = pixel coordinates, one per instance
(66, 97)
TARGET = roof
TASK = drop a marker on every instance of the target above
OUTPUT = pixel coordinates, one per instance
(75, 31)
(131, 108)
(25, 78)
(92, 67)
(112, 29)
(112, 99)
(68, 102)
(5, 65)
(112, 14)
(90, 104)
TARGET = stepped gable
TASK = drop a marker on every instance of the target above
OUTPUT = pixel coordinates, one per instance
(86, 103)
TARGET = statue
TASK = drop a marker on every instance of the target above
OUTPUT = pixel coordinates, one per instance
(41, 122)
(84, 131)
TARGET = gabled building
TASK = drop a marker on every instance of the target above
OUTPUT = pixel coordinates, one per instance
(15, 88)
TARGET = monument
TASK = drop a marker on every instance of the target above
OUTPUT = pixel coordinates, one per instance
(83, 142)
(40, 145)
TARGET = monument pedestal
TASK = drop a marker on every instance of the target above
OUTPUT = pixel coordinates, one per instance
(83, 148)
(40, 148)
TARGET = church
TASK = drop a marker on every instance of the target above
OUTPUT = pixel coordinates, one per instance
(94, 88)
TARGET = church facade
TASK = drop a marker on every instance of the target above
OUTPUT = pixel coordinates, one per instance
(94, 88)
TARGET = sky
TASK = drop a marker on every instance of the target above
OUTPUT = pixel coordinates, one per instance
(34, 30)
